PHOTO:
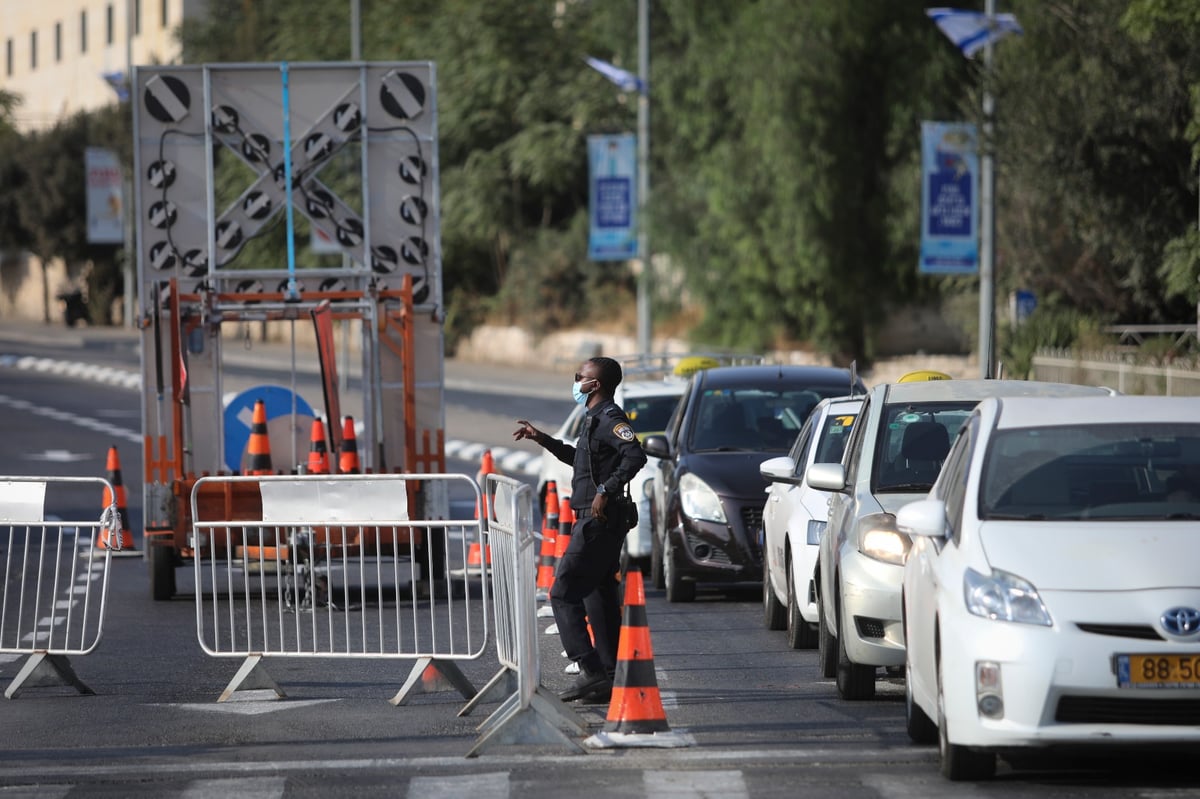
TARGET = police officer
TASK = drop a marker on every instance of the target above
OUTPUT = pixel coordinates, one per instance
(604, 459)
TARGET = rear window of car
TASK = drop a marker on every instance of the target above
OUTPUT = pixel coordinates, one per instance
(650, 414)
(757, 419)
(914, 439)
(1096, 472)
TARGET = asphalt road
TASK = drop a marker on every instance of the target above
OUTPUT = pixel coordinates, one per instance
(757, 718)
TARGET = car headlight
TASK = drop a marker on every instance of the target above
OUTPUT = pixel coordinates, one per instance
(878, 538)
(1001, 596)
(699, 501)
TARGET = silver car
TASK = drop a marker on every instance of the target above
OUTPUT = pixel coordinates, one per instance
(894, 454)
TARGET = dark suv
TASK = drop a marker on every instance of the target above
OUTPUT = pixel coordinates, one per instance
(708, 493)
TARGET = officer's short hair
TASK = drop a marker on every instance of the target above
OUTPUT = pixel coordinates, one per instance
(609, 373)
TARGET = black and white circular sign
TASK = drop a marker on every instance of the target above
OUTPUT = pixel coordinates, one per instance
(162, 214)
(161, 174)
(402, 95)
(167, 98)
(412, 170)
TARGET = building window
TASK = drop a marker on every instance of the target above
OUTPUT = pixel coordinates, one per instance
(33, 49)
(108, 24)
(57, 42)
(137, 17)
(83, 31)
(8, 58)
(164, 8)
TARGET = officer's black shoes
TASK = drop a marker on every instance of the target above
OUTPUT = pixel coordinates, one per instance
(588, 685)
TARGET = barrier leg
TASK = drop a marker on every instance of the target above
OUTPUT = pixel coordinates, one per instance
(251, 676)
(43, 668)
(503, 685)
(430, 676)
(545, 720)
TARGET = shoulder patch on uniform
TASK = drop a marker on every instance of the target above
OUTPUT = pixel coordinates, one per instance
(623, 431)
(612, 410)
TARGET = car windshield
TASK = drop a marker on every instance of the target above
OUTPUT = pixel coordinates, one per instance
(832, 443)
(1093, 471)
(650, 414)
(758, 419)
(914, 439)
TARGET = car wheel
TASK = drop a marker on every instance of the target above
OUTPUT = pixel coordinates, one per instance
(678, 589)
(958, 763)
(920, 728)
(656, 562)
(800, 633)
(826, 643)
(855, 681)
(774, 617)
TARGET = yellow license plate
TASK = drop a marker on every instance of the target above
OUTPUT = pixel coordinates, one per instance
(1158, 671)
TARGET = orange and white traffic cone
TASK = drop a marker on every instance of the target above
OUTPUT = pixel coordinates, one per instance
(348, 462)
(545, 570)
(487, 465)
(635, 712)
(318, 453)
(258, 451)
(122, 543)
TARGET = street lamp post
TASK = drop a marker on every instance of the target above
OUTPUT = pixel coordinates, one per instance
(645, 279)
(987, 222)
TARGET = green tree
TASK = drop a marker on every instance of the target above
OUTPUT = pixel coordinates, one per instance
(788, 205)
(1095, 138)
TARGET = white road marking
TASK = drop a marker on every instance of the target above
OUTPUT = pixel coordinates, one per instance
(253, 707)
(683, 784)
(492, 785)
(248, 787)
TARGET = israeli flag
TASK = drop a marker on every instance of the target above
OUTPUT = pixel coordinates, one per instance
(626, 80)
(970, 30)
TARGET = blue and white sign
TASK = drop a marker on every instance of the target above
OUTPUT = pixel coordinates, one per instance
(949, 199)
(612, 202)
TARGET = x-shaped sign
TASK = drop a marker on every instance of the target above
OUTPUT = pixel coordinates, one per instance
(266, 197)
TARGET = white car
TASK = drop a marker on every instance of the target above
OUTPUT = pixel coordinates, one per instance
(1052, 593)
(894, 454)
(794, 516)
(648, 394)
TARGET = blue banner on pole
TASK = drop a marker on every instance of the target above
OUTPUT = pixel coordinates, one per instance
(949, 199)
(612, 162)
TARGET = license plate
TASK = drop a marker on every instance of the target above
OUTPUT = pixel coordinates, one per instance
(1158, 671)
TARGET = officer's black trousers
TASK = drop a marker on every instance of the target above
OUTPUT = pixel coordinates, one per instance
(586, 589)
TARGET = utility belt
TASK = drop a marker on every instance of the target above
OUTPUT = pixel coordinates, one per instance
(621, 510)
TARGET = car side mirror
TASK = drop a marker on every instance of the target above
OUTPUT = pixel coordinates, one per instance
(925, 517)
(780, 470)
(657, 446)
(826, 476)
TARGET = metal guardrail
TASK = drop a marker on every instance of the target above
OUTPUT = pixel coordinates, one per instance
(1117, 371)
(329, 567)
(530, 714)
(54, 587)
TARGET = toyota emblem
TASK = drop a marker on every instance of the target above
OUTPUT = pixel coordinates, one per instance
(1181, 621)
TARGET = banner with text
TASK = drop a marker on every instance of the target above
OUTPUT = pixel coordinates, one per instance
(949, 199)
(612, 162)
(105, 203)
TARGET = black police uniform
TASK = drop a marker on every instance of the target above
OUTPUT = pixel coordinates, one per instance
(606, 457)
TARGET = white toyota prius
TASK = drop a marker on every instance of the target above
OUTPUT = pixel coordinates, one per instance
(1052, 592)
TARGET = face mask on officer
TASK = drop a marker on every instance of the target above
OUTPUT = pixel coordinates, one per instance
(577, 389)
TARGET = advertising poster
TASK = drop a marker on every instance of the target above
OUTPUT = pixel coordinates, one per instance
(105, 206)
(949, 199)
(612, 162)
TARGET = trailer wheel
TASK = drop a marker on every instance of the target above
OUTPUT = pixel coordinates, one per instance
(162, 572)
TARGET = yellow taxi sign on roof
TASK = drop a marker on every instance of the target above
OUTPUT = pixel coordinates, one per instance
(922, 375)
(690, 365)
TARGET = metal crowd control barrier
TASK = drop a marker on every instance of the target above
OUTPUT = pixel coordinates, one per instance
(55, 581)
(530, 714)
(346, 566)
